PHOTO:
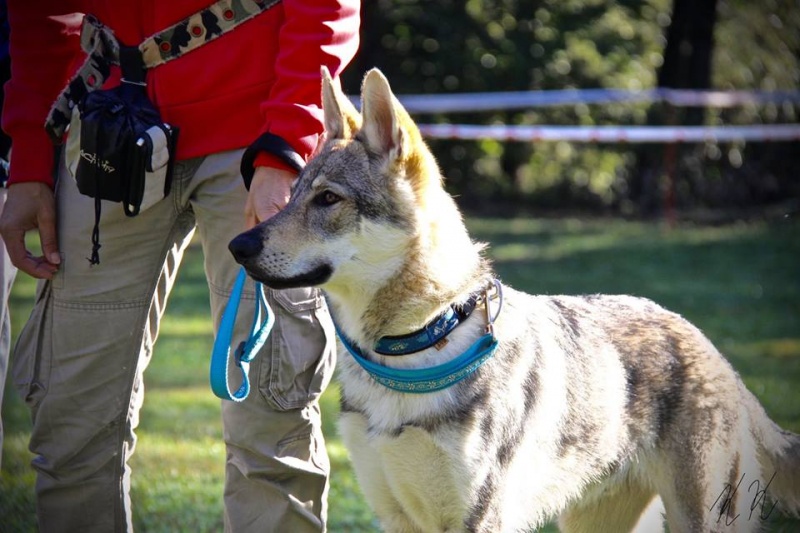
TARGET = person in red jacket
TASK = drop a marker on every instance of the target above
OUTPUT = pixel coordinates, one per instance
(80, 358)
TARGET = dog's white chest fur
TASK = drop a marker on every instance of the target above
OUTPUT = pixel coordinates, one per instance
(407, 468)
(407, 474)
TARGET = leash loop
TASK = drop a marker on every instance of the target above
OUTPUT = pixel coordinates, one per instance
(245, 352)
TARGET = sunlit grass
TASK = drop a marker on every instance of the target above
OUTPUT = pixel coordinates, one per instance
(739, 283)
(177, 482)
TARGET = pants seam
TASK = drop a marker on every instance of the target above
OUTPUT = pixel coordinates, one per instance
(98, 306)
(121, 518)
(223, 292)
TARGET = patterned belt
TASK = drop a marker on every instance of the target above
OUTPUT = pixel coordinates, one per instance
(103, 50)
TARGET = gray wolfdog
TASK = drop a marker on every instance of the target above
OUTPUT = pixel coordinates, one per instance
(470, 406)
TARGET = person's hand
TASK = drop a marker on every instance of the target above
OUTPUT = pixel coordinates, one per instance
(269, 193)
(31, 205)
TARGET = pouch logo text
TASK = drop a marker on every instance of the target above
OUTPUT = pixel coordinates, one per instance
(102, 164)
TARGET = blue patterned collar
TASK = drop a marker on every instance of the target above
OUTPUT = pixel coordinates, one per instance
(430, 335)
(423, 380)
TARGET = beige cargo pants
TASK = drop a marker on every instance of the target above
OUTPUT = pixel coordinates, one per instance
(80, 360)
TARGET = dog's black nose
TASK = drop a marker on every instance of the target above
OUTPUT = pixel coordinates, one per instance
(245, 246)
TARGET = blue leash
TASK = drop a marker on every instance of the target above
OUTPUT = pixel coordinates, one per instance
(263, 320)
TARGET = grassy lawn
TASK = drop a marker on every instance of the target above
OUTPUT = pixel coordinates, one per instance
(739, 283)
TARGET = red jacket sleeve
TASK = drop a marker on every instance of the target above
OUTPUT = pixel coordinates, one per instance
(44, 45)
(315, 33)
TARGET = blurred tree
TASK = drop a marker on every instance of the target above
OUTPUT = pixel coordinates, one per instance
(426, 46)
(756, 47)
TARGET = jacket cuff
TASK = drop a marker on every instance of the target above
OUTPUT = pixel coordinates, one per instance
(34, 157)
(271, 144)
(265, 159)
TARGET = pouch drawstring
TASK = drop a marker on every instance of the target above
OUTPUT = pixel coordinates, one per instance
(95, 258)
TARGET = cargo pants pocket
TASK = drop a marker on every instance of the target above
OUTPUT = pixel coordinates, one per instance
(31, 358)
(302, 349)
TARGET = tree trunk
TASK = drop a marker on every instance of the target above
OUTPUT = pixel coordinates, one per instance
(687, 56)
(687, 65)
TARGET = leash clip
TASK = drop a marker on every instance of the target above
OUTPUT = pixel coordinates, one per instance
(492, 292)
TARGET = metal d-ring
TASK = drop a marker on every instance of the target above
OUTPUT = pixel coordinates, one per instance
(492, 292)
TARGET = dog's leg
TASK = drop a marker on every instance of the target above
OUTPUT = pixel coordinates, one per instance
(353, 428)
(779, 457)
(652, 518)
(615, 511)
(708, 488)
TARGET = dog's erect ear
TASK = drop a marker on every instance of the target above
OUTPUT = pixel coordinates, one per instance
(340, 116)
(384, 117)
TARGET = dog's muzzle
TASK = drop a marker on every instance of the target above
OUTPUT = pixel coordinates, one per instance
(246, 247)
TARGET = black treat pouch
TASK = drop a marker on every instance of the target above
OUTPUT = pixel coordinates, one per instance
(122, 140)
(124, 151)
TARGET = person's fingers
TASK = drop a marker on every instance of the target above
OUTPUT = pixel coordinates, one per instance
(48, 237)
(29, 206)
(250, 221)
(268, 208)
(270, 190)
(250, 218)
(15, 246)
(38, 267)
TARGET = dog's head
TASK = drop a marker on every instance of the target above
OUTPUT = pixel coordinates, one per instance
(355, 209)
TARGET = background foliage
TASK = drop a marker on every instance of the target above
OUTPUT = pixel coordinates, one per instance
(514, 45)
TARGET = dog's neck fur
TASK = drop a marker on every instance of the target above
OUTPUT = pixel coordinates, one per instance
(428, 282)
(411, 293)
(431, 265)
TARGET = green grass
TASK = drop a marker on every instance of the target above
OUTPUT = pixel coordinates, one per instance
(739, 283)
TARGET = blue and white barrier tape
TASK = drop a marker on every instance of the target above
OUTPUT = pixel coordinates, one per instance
(498, 101)
(614, 134)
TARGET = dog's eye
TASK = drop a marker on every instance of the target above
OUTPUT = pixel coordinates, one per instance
(326, 198)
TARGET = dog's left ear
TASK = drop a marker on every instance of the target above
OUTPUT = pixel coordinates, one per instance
(341, 119)
(384, 117)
